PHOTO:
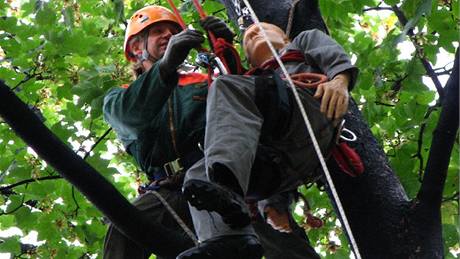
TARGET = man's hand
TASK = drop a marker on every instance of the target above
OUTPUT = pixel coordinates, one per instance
(218, 28)
(177, 51)
(334, 96)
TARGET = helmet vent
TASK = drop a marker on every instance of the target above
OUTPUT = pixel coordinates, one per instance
(143, 18)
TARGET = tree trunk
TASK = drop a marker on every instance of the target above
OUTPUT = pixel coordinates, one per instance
(385, 223)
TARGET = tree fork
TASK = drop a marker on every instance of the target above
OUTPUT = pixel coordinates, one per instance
(127, 218)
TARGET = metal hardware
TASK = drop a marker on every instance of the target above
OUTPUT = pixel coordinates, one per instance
(173, 167)
(200, 147)
(349, 132)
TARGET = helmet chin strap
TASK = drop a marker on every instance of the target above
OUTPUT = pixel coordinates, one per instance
(145, 53)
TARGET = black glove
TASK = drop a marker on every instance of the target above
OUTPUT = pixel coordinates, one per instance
(218, 28)
(178, 48)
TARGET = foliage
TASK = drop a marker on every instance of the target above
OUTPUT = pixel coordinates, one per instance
(62, 56)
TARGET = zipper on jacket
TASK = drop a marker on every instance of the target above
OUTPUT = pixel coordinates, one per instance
(172, 129)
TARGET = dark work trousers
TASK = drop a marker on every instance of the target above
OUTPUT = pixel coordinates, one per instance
(118, 246)
(277, 245)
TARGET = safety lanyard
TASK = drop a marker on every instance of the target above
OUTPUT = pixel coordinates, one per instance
(220, 61)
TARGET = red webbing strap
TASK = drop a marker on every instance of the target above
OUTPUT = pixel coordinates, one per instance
(219, 48)
(308, 80)
(347, 159)
(219, 43)
(178, 16)
(302, 80)
(203, 15)
(182, 24)
(290, 56)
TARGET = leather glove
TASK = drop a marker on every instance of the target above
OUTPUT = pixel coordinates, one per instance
(177, 51)
(218, 28)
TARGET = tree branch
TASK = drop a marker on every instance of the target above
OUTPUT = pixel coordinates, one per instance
(419, 50)
(442, 144)
(384, 104)
(127, 218)
(75, 201)
(454, 197)
(445, 72)
(377, 8)
(420, 142)
(99, 140)
(9, 187)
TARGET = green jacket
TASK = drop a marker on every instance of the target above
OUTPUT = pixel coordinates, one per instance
(158, 122)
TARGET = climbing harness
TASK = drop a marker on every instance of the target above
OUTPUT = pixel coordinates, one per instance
(346, 157)
(310, 131)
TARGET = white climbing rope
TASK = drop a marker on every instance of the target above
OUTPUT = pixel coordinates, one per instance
(310, 131)
(176, 217)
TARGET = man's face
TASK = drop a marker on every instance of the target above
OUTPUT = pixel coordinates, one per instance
(159, 35)
(157, 41)
(255, 44)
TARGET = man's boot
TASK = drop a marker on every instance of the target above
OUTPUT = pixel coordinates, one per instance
(213, 197)
(226, 247)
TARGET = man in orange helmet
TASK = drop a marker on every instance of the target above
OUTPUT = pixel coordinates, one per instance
(160, 117)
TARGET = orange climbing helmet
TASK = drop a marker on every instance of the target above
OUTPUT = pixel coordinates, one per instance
(142, 19)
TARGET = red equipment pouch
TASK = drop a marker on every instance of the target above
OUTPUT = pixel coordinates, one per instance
(347, 159)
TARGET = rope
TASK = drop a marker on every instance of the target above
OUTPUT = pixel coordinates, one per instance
(310, 131)
(176, 217)
(291, 17)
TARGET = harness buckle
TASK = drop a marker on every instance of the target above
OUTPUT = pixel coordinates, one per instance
(173, 167)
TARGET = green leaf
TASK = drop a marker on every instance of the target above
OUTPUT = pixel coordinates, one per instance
(25, 218)
(425, 97)
(10, 245)
(118, 6)
(450, 233)
(7, 221)
(391, 2)
(15, 203)
(69, 18)
(423, 8)
(46, 16)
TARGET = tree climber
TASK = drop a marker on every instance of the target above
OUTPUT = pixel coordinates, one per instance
(243, 111)
(160, 117)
